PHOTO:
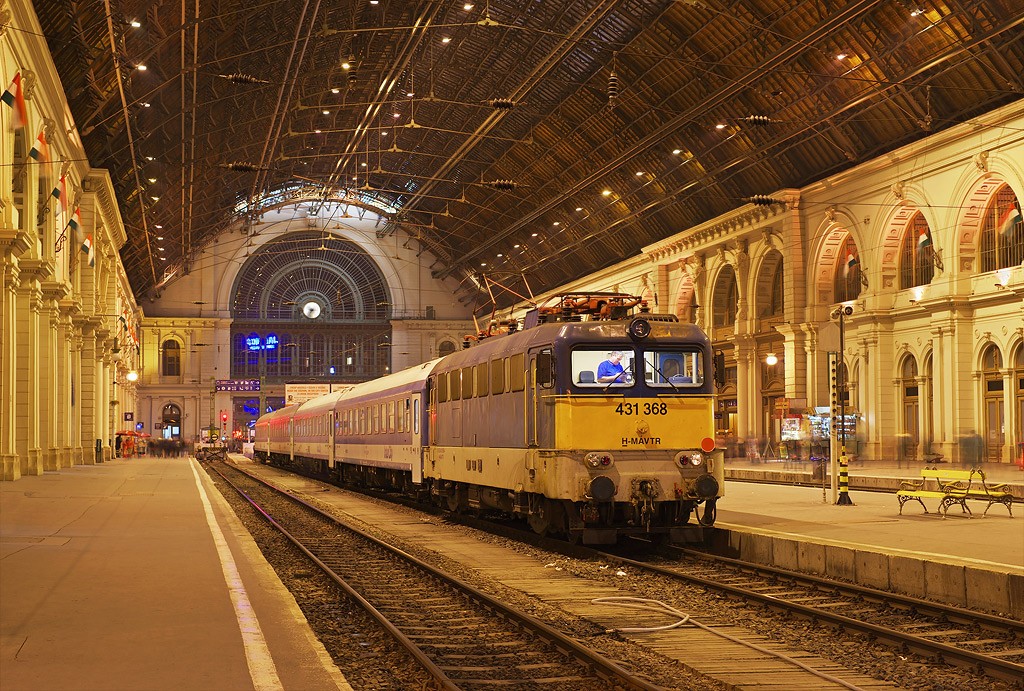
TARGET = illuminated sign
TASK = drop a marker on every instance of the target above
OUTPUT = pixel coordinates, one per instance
(254, 342)
(237, 385)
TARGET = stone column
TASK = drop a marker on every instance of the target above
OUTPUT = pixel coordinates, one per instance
(1009, 403)
(28, 364)
(955, 387)
(51, 408)
(79, 447)
(65, 373)
(748, 385)
(11, 243)
(88, 397)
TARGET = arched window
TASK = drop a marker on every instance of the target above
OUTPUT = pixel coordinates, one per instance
(445, 348)
(726, 298)
(777, 306)
(847, 273)
(1002, 232)
(917, 261)
(170, 363)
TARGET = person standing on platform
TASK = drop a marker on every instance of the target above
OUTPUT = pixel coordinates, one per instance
(971, 447)
(117, 446)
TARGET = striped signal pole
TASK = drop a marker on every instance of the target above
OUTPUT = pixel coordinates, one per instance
(839, 391)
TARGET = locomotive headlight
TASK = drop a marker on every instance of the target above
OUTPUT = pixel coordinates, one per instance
(689, 458)
(596, 459)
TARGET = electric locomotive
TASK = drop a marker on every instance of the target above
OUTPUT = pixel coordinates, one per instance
(529, 423)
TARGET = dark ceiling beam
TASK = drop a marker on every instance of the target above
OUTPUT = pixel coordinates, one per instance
(731, 90)
(543, 69)
(680, 194)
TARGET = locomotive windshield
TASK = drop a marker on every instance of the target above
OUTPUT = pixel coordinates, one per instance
(671, 368)
(674, 368)
(603, 368)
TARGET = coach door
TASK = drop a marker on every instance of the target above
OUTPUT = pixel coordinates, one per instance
(540, 401)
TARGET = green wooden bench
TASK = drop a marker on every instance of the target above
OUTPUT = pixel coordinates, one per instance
(953, 488)
(993, 494)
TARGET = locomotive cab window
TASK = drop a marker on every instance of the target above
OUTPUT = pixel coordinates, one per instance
(674, 368)
(601, 368)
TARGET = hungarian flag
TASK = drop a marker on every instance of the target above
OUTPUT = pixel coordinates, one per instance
(60, 193)
(851, 261)
(89, 250)
(1008, 221)
(40, 150)
(76, 225)
(923, 240)
(16, 100)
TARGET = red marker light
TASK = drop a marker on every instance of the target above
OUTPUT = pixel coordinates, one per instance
(707, 444)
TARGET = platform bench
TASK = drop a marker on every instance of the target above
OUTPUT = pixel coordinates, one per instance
(953, 488)
(993, 494)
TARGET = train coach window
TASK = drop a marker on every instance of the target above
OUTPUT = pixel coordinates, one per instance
(391, 416)
(415, 415)
(674, 368)
(602, 368)
(481, 379)
(441, 386)
(455, 385)
(497, 376)
(467, 382)
(517, 372)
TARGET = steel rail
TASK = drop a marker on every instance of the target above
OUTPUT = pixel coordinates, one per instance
(601, 666)
(995, 667)
(436, 673)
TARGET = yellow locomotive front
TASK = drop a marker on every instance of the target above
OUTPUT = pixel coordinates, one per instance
(633, 428)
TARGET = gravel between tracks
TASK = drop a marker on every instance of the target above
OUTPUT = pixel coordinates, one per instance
(372, 661)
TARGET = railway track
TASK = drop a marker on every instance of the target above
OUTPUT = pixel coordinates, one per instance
(987, 643)
(461, 637)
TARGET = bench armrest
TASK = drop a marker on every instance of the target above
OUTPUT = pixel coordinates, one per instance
(911, 485)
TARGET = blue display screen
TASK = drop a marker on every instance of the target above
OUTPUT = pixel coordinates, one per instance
(254, 342)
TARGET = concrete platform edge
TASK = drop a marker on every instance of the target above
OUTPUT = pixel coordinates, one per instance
(269, 577)
(990, 587)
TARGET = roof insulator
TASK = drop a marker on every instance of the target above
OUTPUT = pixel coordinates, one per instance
(502, 184)
(241, 166)
(758, 119)
(613, 86)
(763, 200)
(241, 78)
(502, 103)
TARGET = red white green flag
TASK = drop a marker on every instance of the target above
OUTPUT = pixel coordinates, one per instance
(88, 248)
(923, 240)
(76, 225)
(16, 100)
(60, 193)
(1009, 220)
(851, 261)
(40, 150)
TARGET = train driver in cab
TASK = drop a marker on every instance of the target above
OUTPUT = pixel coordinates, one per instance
(611, 371)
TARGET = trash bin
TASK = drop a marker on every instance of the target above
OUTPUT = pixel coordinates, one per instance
(99, 450)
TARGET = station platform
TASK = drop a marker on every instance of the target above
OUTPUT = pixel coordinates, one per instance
(776, 513)
(134, 574)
